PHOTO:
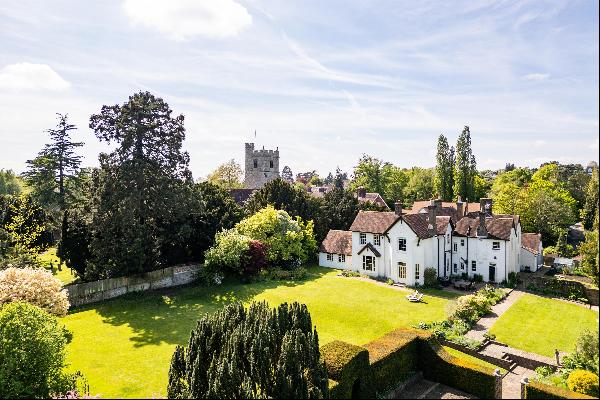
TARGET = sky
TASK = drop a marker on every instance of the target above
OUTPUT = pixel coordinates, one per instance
(324, 81)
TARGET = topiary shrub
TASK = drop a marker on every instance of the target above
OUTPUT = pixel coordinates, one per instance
(430, 278)
(348, 368)
(32, 353)
(35, 286)
(582, 381)
(257, 352)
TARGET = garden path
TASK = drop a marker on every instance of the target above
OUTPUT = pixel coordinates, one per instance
(486, 322)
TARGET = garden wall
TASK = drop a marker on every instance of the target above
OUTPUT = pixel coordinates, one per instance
(381, 366)
(91, 292)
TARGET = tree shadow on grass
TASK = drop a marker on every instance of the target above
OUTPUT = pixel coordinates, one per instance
(168, 315)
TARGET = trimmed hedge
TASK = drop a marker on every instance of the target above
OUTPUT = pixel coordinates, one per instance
(538, 390)
(393, 358)
(383, 364)
(347, 364)
(439, 366)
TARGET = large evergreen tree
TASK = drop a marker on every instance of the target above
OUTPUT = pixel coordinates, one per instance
(287, 174)
(250, 353)
(142, 187)
(590, 208)
(465, 167)
(444, 170)
(48, 173)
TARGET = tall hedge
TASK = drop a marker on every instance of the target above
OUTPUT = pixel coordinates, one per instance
(257, 352)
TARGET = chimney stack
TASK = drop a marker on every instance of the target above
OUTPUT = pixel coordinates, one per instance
(460, 211)
(431, 217)
(361, 192)
(398, 207)
(481, 228)
(485, 206)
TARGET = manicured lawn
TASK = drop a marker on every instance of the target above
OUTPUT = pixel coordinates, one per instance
(124, 346)
(65, 274)
(540, 325)
(475, 360)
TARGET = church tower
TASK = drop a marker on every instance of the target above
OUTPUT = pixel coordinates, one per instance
(261, 166)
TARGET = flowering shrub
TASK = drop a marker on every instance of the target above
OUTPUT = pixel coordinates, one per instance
(470, 308)
(582, 381)
(35, 286)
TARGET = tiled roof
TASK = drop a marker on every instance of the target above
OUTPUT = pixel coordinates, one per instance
(241, 195)
(531, 242)
(497, 226)
(373, 198)
(420, 205)
(337, 242)
(382, 221)
(442, 224)
(418, 223)
(373, 221)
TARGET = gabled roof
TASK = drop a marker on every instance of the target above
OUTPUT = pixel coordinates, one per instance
(382, 221)
(497, 226)
(337, 242)
(531, 242)
(374, 198)
(373, 221)
(370, 247)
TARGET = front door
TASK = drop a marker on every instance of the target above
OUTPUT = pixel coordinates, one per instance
(492, 274)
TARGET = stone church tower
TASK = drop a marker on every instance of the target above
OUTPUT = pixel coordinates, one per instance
(261, 166)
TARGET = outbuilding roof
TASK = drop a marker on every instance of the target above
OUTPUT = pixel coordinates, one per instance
(337, 242)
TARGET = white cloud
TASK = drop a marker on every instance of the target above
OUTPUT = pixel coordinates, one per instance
(183, 19)
(536, 77)
(28, 76)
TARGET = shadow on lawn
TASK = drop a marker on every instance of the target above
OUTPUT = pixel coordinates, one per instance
(168, 315)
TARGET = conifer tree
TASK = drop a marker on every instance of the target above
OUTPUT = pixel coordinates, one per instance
(465, 167)
(252, 353)
(444, 170)
(590, 208)
(48, 173)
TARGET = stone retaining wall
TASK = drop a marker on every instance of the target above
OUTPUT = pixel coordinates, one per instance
(506, 364)
(91, 292)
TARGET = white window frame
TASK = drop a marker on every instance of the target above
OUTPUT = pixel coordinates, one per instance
(462, 242)
(364, 265)
(377, 240)
(341, 258)
(455, 268)
(363, 238)
(495, 245)
(401, 244)
(455, 247)
(401, 270)
(329, 257)
(417, 272)
(473, 266)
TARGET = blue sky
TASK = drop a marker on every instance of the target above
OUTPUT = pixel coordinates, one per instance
(325, 81)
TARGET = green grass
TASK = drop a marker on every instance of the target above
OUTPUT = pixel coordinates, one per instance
(475, 360)
(540, 325)
(124, 346)
(64, 274)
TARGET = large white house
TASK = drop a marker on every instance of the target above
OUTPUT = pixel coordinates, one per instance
(449, 238)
